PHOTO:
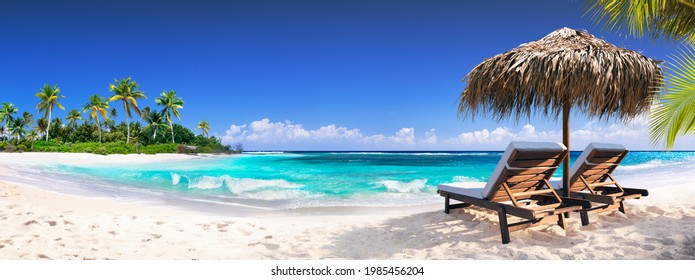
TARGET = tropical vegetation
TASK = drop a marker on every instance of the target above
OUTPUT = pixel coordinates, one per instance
(126, 90)
(49, 98)
(204, 127)
(171, 105)
(97, 131)
(673, 112)
(96, 106)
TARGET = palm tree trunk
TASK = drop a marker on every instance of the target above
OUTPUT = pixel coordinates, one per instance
(49, 123)
(172, 130)
(99, 127)
(155, 134)
(127, 121)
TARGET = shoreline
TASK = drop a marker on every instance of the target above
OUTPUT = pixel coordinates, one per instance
(81, 159)
(43, 224)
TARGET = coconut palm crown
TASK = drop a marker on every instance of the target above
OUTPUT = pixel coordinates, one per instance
(204, 127)
(72, 118)
(155, 120)
(97, 106)
(6, 113)
(126, 90)
(42, 125)
(172, 104)
(17, 128)
(49, 98)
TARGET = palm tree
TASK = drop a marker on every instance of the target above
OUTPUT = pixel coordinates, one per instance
(155, 120)
(72, 118)
(42, 125)
(49, 98)
(113, 113)
(171, 105)
(2, 133)
(32, 136)
(28, 117)
(126, 90)
(673, 20)
(6, 113)
(97, 106)
(204, 126)
(17, 128)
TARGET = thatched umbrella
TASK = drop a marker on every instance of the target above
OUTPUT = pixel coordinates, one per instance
(567, 68)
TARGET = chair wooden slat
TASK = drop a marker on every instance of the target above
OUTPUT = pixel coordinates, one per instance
(524, 177)
(593, 181)
(534, 163)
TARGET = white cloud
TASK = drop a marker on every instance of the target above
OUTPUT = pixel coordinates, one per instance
(431, 137)
(404, 136)
(264, 134)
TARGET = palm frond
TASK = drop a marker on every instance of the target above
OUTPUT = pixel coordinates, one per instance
(673, 113)
(660, 19)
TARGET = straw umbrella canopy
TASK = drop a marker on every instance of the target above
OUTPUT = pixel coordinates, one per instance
(566, 69)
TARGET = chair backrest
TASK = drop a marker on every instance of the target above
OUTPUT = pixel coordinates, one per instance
(595, 163)
(523, 167)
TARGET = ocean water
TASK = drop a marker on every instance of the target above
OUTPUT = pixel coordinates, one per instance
(314, 179)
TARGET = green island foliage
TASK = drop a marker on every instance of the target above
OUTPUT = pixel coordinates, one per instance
(114, 143)
(94, 129)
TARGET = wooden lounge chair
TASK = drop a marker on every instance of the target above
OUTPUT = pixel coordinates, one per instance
(519, 187)
(591, 179)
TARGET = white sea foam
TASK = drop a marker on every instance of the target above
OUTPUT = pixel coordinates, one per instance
(403, 187)
(653, 164)
(464, 179)
(175, 178)
(235, 185)
(242, 185)
(289, 194)
(205, 182)
(451, 154)
(359, 153)
(414, 154)
(473, 154)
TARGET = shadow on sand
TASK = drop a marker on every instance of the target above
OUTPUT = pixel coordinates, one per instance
(645, 233)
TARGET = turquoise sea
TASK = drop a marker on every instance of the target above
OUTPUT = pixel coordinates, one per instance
(310, 179)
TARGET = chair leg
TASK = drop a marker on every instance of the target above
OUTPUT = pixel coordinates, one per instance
(585, 217)
(504, 226)
(446, 204)
(621, 208)
(561, 221)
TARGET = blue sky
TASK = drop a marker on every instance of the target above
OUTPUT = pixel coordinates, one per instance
(300, 75)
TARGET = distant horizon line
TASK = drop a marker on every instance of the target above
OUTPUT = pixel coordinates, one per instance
(423, 151)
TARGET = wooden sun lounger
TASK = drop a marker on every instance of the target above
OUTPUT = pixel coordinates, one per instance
(519, 187)
(591, 179)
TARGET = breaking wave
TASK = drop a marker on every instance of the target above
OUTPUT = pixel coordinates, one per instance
(464, 179)
(416, 185)
(235, 185)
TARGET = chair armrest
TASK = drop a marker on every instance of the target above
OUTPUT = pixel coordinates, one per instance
(643, 192)
(576, 202)
(605, 199)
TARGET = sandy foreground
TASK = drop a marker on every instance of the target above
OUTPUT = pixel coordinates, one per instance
(41, 224)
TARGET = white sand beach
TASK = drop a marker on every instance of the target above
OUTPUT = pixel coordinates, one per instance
(41, 224)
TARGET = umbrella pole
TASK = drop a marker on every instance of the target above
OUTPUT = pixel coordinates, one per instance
(566, 142)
